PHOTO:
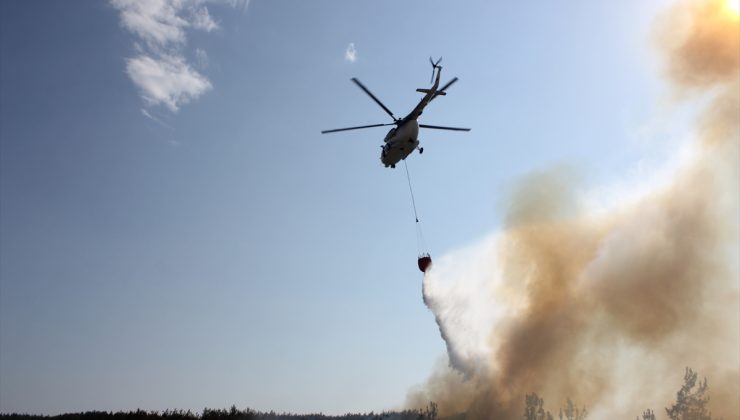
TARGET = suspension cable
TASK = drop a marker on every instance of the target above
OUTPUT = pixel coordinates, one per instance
(413, 202)
(421, 245)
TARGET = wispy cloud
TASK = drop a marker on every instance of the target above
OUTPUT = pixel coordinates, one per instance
(201, 58)
(158, 121)
(159, 69)
(201, 19)
(241, 5)
(166, 80)
(350, 54)
(158, 22)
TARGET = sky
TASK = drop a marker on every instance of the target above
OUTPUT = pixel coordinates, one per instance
(175, 232)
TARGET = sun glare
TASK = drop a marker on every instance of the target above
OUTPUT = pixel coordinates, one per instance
(733, 6)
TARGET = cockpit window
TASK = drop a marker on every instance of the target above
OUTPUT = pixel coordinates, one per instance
(390, 133)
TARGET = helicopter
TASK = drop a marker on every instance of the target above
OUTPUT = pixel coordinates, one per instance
(403, 139)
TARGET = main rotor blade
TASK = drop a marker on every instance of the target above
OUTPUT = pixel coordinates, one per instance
(355, 128)
(450, 83)
(437, 127)
(377, 101)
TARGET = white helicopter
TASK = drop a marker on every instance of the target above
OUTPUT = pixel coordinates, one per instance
(404, 138)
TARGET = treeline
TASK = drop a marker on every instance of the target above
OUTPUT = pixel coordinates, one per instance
(691, 404)
(429, 413)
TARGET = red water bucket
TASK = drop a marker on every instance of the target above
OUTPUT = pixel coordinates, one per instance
(424, 261)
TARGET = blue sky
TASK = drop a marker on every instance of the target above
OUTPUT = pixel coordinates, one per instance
(176, 233)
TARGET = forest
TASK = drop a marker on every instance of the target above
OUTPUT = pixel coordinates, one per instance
(692, 401)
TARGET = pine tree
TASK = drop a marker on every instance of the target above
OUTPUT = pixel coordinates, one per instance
(648, 415)
(534, 410)
(572, 413)
(691, 399)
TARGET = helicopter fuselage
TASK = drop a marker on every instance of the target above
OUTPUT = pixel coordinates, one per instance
(403, 139)
(399, 143)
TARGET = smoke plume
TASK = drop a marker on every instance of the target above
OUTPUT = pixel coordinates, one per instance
(608, 307)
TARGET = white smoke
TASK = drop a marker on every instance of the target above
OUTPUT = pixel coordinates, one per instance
(607, 307)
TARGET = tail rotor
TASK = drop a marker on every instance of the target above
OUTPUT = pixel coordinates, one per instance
(435, 65)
